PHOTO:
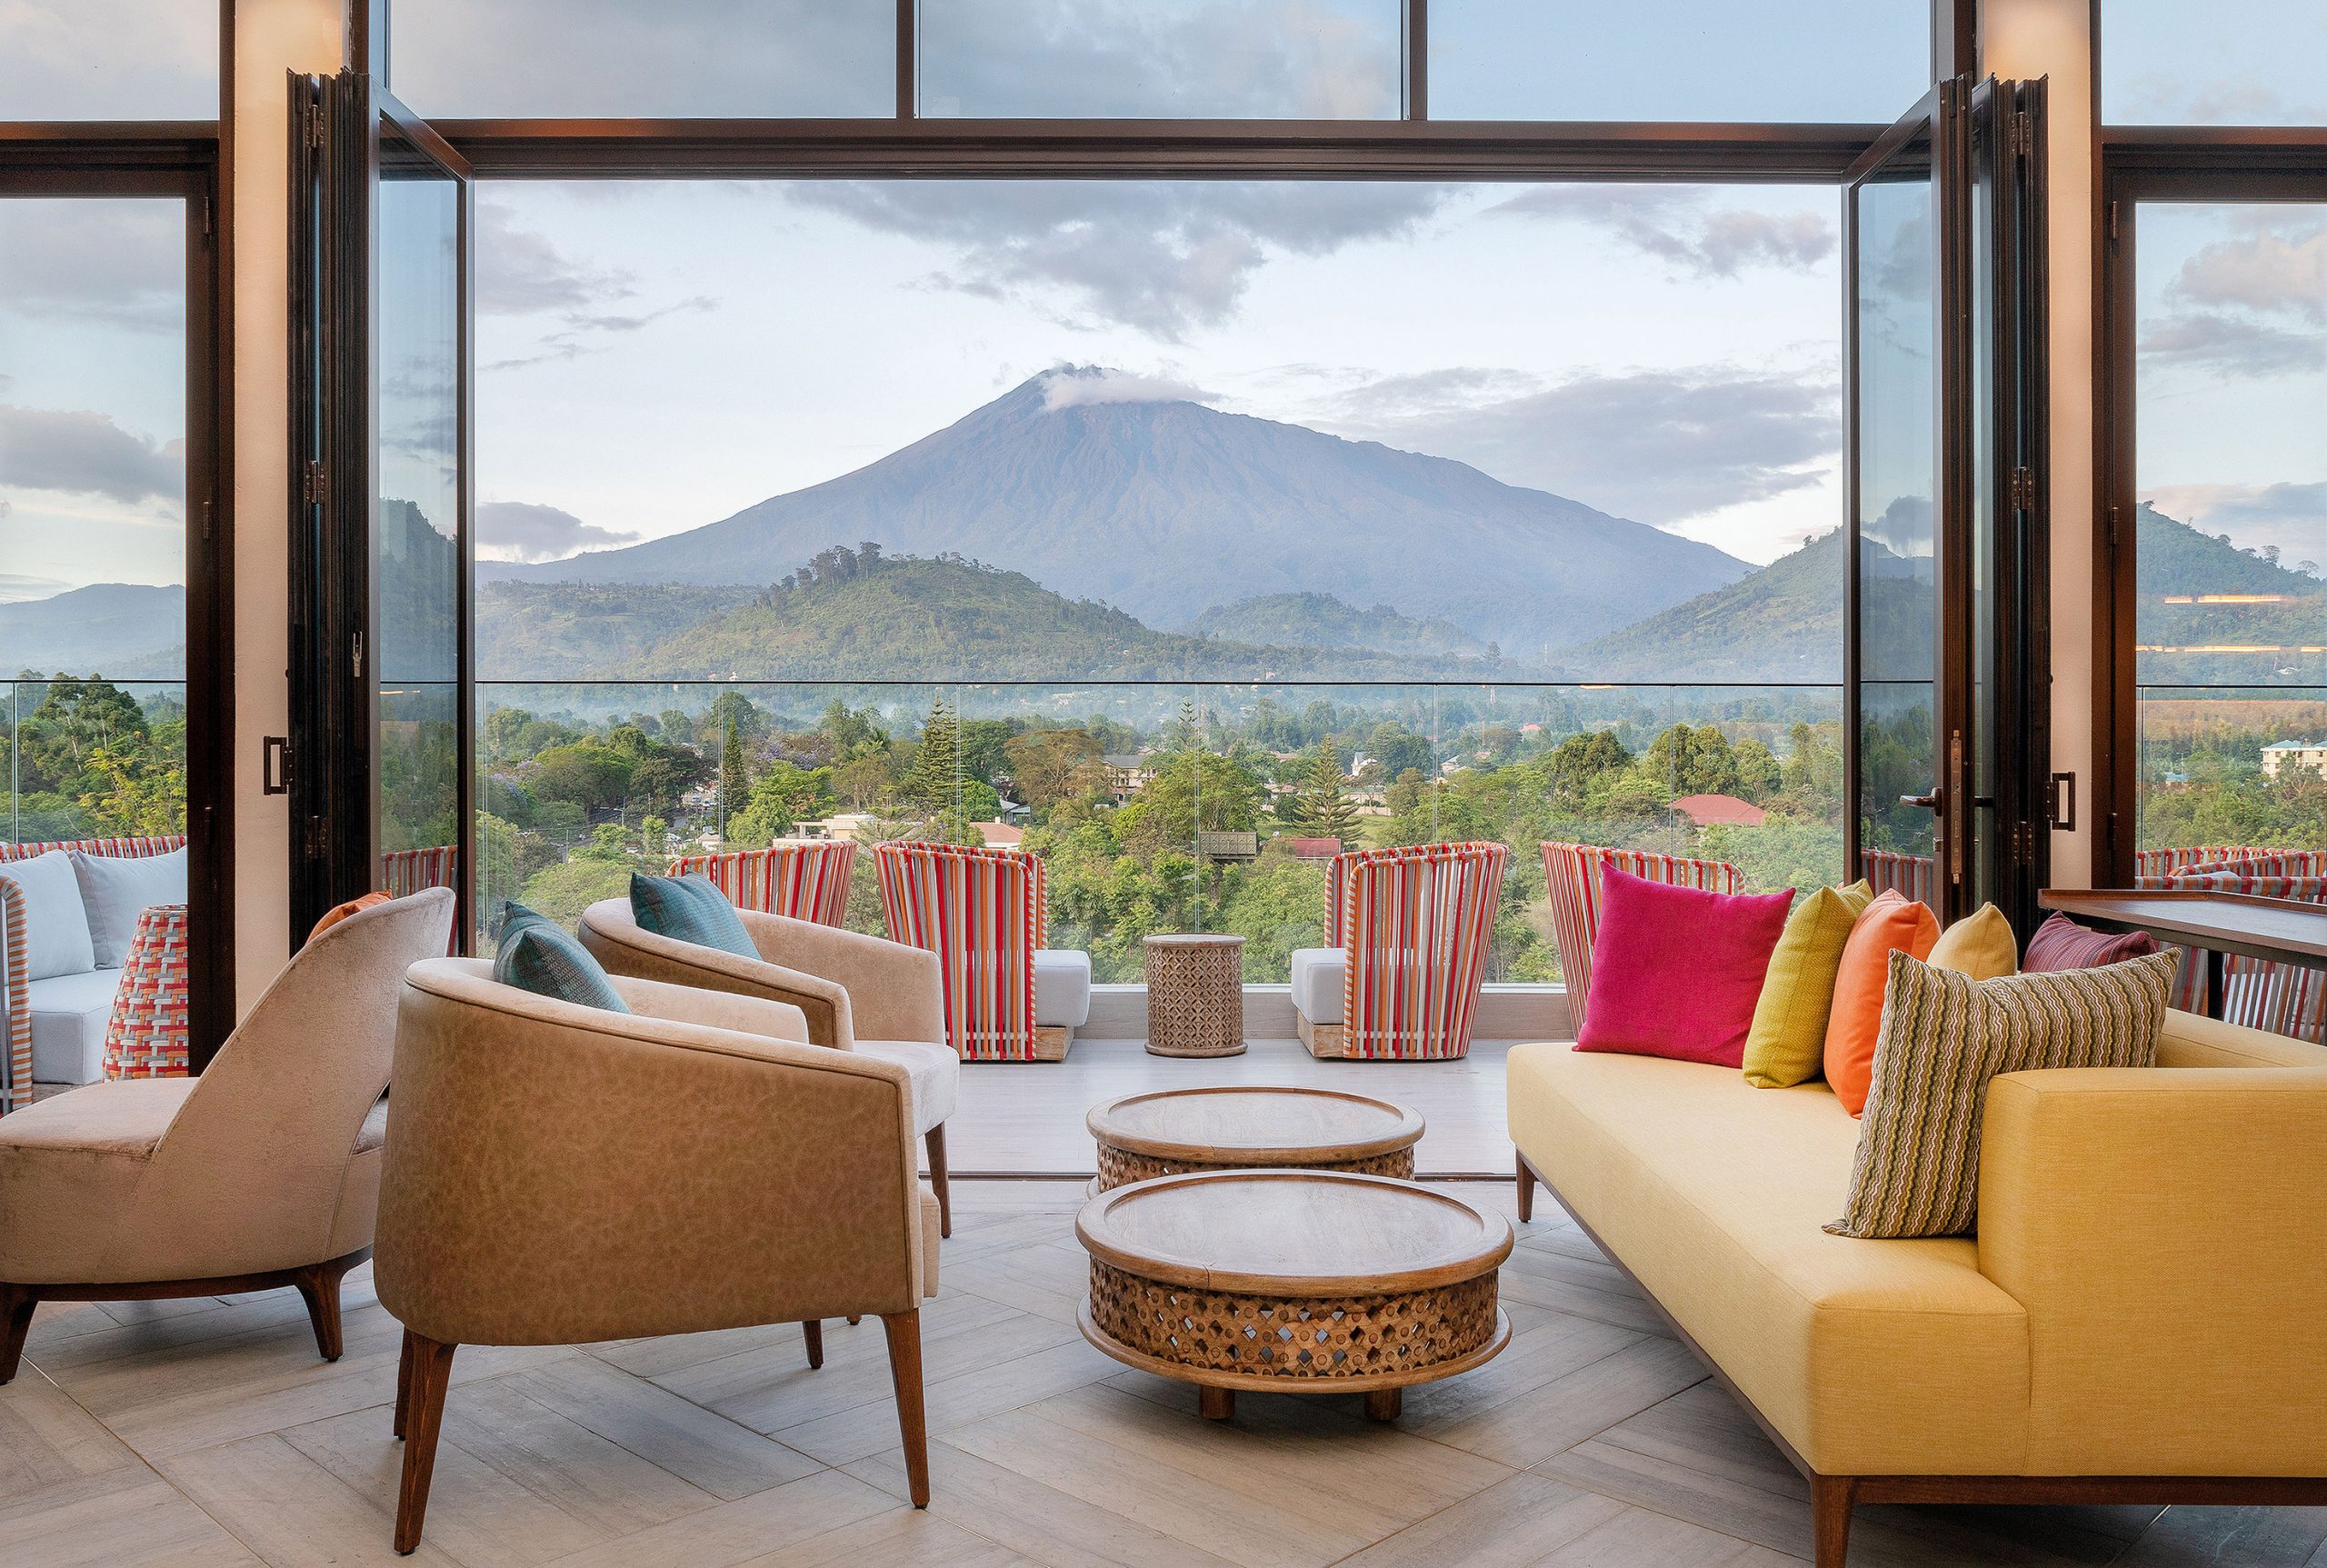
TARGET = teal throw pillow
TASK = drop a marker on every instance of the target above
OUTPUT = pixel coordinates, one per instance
(689, 909)
(542, 957)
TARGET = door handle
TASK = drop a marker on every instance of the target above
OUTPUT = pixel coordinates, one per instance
(1928, 802)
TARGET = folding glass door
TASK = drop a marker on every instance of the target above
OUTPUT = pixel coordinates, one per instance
(380, 767)
(1943, 232)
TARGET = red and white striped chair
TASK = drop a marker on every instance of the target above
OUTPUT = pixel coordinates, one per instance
(1911, 876)
(404, 872)
(1411, 928)
(2284, 998)
(16, 1082)
(986, 912)
(1572, 876)
(797, 881)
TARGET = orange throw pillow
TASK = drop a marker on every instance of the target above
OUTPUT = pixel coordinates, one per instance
(338, 912)
(1891, 923)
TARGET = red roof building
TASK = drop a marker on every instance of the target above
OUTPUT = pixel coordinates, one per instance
(1314, 848)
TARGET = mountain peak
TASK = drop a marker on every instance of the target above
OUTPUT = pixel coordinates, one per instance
(1084, 385)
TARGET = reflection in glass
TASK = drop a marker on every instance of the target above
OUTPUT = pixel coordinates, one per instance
(646, 58)
(1741, 60)
(2230, 625)
(109, 60)
(417, 571)
(1161, 59)
(2223, 63)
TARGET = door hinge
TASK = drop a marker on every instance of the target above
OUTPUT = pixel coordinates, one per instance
(2024, 844)
(205, 522)
(2023, 133)
(2113, 223)
(318, 836)
(2024, 490)
(314, 124)
(356, 647)
(206, 217)
(2112, 530)
(311, 481)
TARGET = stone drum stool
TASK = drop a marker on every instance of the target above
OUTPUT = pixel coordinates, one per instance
(1196, 995)
(1292, 1282)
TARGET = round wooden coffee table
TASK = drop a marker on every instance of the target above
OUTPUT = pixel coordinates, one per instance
(1292, 1282)
(1227, 1128)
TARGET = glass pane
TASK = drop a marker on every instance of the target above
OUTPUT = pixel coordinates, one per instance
(1858, 61)
(619, 58)
(109, 60)
(2230, 617)
(2224, 63)
(1898, 478)
(418, 569)
(1161, 59)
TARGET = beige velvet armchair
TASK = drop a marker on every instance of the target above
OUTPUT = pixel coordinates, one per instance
(858, 992)
(560, 1174)
(262, 1171)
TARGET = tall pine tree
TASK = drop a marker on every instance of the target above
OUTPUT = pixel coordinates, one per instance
(934, 781)
(1322, 808)
(735, 774)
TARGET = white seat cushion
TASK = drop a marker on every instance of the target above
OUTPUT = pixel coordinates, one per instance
(936, 1076)
(70, 1013)
(1062, 987)
(1319, 979)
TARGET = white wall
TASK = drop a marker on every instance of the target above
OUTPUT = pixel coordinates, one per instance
(2025, 39)
(271, 37)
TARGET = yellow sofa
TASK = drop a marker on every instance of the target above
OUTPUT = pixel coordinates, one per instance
(2141, 1317)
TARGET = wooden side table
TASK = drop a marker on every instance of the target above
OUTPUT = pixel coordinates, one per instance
(1228, 1127)
(1196, 995)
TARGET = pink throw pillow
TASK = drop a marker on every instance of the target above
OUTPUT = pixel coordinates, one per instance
(2062, 943)
(1676, 971)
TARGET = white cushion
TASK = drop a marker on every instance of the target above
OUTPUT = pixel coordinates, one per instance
(936, 1076)
(1319, 974)
(1062, 987)
(116, 889)
(56, 924)
(70, 1013)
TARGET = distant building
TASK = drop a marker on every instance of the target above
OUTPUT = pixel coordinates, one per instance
(1708, 810)
(999, 835)
(1314, 848)
(2305, 756)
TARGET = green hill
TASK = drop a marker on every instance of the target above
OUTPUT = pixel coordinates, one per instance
(2277, 637)
(883, 618)
(1321, 621)
(1784, 622)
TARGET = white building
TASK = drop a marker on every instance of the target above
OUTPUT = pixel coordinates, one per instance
(2304, 757)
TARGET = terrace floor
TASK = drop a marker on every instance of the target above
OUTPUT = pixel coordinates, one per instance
(207, 1432)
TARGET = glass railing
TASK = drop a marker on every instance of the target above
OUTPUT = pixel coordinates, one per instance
(2231, 766)
(1155, 806)
(92, 758)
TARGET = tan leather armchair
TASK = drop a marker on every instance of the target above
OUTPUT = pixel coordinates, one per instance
(858, 992)
(560, 1174)
(264, 1171)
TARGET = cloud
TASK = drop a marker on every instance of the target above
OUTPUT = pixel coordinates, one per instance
(528, 531)
(520, 272)
(2232, 344)
(2293, 517)
(1684, 228)
(118, 262)
(84, 452)
(15, 587)
(1073, 386)
(1165, 257)
(2275, 267)
(1657, 446)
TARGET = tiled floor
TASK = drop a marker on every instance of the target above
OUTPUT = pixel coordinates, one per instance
(207, 1432)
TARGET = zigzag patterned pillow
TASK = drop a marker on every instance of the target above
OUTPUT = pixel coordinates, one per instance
(1944, 1036)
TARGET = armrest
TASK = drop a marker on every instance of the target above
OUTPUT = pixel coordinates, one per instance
(728, 1010)
(895, 992)
(641, 955)
(2164, 1229)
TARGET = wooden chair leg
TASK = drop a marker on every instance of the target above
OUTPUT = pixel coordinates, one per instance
(319, 1288)
(1526, 1173)
(904, 1371)
(17, 1304)
(432, 1369)
(935, 1140)
(1830, 1497)
(813, 1331)
(404, 1386)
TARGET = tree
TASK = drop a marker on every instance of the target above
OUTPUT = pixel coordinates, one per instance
(592, 776)
(784, 797)
(1042, 764)
(931, 784)
(734, 772)
(1322, 808)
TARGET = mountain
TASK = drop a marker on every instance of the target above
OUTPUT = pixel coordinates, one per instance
(124, 630)
(1168, 509)
(1784, 622)
(2212, 613)
(1321, 621)
(874, 618)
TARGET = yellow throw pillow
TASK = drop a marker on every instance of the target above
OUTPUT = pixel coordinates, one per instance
(1787, 1044)
(1980, 945)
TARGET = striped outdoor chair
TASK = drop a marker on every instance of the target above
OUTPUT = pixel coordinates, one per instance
(16, 1082)
(2285, 998)
(1411, 928)
(145, 1037)
(1911, 876)
(404, 872)
(1572, 876)
(986, 912)
(798, 881)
